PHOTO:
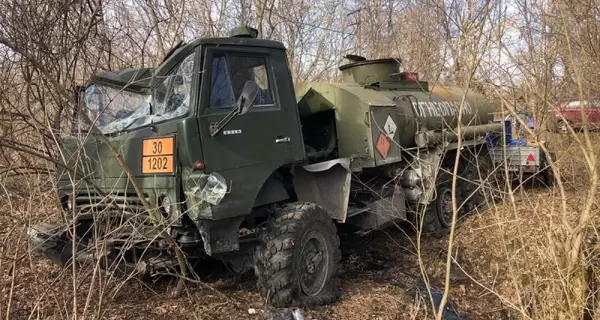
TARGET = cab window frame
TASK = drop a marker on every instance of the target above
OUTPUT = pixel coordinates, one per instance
(196, 81)
(210, 52)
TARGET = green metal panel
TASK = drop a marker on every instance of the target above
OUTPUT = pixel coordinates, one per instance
(417, 110)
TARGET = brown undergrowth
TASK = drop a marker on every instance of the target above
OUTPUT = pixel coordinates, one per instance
(505, 266)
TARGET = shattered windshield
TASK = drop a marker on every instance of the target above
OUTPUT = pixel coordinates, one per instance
(113, 110)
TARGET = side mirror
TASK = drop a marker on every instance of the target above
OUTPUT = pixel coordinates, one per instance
(244, 103)
(248, 96)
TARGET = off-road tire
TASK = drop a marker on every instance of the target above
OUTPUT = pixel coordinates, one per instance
(437, 220)
(470, 195)
(278, 259)
(476, 183)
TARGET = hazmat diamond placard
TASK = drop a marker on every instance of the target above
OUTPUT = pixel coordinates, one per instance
(383, 145)
(390, 127)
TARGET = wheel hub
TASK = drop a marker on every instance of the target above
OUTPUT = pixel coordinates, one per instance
(563, 127)
(314, 264)
(445, 207)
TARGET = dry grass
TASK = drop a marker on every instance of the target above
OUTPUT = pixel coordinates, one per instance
(505, 261)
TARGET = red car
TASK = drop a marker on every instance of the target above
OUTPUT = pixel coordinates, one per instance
(571, 111)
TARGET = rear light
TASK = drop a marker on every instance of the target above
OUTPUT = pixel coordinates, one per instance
(409, 76)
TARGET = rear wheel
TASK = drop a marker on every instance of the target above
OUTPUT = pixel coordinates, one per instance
(478, 181)
(546, 176)
(438, 214)
(298, 259)
(443, 205)
(472, 193)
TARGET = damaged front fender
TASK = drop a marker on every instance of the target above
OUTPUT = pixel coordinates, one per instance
(203, 190)
(142, 253)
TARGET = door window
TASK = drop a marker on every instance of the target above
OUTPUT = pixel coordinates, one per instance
(230, 73)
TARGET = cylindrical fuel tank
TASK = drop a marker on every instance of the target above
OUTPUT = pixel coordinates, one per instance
(378, 111)
(429, 107)
(439, 108)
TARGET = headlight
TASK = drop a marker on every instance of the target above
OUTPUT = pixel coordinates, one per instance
(166, 206)
(66, 203)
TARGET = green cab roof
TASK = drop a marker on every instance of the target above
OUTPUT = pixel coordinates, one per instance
(142, 79)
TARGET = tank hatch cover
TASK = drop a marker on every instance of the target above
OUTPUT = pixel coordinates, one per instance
(243, 32)
(355, 58)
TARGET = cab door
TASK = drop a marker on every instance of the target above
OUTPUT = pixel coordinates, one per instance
(251, 146)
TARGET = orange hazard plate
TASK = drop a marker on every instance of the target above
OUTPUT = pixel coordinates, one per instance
(157, 155)
(383, 145)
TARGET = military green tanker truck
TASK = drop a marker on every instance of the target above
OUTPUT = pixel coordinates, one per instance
(238, 164)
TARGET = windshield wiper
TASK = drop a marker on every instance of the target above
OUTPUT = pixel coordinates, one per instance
(129, 125)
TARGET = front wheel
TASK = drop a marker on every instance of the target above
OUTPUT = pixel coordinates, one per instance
(298, 259)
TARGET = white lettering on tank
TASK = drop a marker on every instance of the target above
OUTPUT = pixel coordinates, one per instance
(430, 109)
(414, 108)
(418, 108)
(435, 109)
(422, 109)
(440, 108)
(448, 108)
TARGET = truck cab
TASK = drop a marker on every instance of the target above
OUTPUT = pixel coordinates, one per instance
(178, 123)
(217, 119)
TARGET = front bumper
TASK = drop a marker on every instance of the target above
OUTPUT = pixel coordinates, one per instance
(56, 244)
(52, 242)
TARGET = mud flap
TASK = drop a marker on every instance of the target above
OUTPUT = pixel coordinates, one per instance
(327, 184)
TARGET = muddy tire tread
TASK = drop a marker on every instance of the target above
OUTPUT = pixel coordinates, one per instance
(274, 257)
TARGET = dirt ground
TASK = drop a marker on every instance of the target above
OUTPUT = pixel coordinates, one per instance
(381, 280)
(377, 270)
(380, 277)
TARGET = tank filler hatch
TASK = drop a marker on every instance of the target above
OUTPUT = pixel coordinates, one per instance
(367, 72)
(244, 32)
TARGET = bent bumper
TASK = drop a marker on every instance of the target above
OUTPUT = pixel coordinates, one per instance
(54, 243)
(50, 241)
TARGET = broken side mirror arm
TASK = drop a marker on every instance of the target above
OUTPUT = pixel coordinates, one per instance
(243, 105)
